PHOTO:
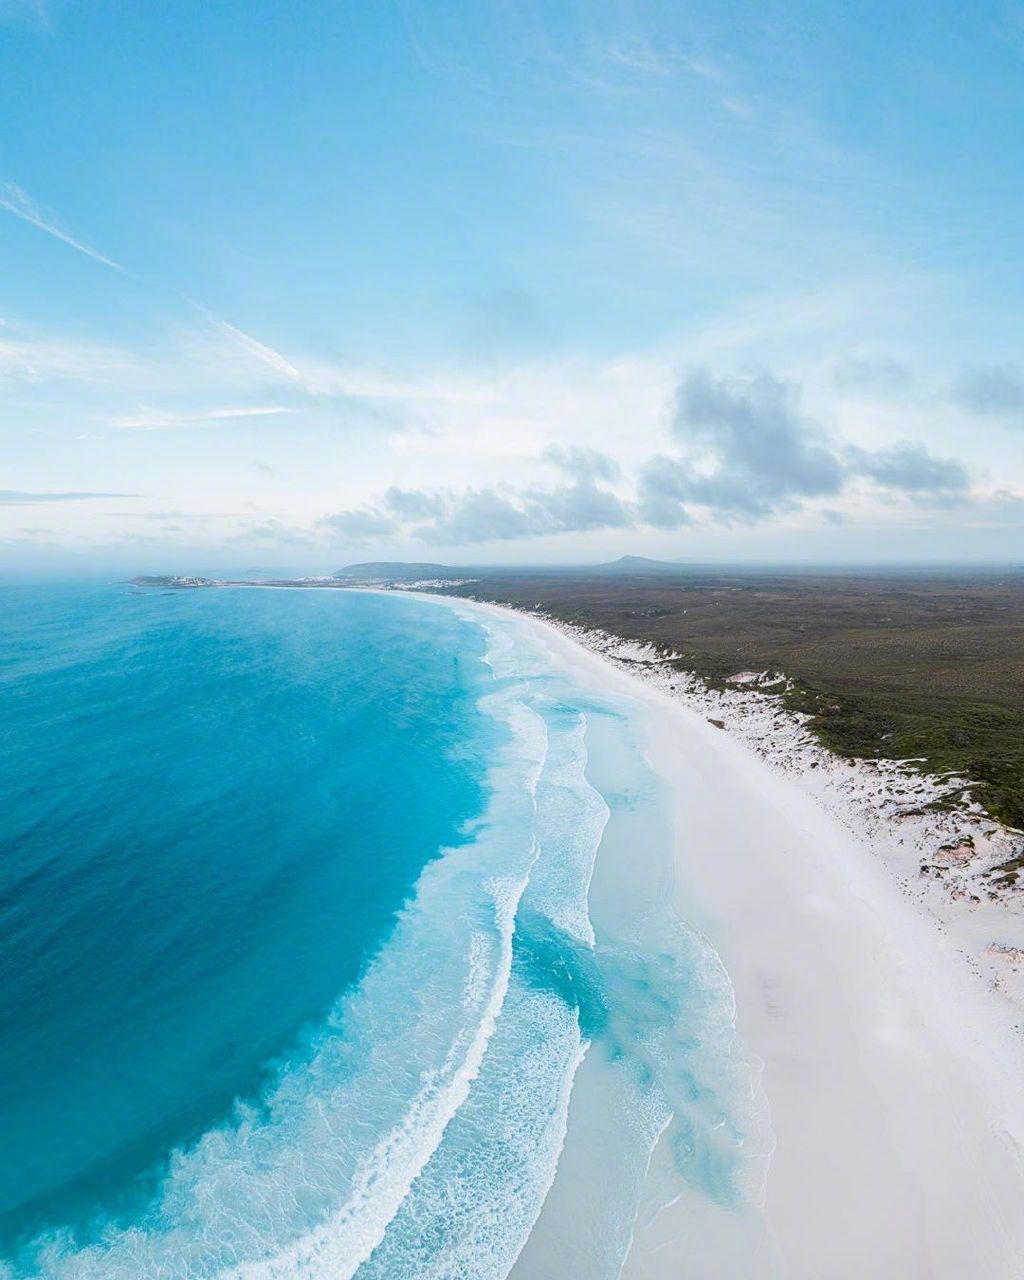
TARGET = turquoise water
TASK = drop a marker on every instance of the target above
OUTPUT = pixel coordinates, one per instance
(314, 906)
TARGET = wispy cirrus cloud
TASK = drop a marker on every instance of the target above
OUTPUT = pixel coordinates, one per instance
(260, 351)
(29, 357)
(166, 419)
(27, 498)
(17, 201)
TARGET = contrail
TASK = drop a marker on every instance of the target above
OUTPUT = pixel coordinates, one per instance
(17, 201)
(21, 204)
(266, 355)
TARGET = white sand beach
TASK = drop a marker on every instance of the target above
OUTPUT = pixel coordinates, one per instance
(892, 1069)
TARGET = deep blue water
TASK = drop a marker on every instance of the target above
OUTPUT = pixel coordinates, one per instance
(336, 940)
(213, 806)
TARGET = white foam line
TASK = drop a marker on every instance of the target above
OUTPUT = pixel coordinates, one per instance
(574, 918)
(341, 1245)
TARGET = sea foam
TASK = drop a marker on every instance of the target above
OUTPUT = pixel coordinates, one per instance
(433, 1129)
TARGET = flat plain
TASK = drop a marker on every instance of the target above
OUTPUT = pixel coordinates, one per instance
(912, 665)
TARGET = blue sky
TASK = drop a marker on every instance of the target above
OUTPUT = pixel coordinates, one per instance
(286, 285)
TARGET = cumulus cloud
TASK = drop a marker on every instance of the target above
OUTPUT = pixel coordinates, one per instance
(663, 490)
(414, 504)
(748, 452)
(360, 522)
(492, 515)
(584, 465)
(914, 471)
(579, 507)
(995, 390)
(765, 453)
(481, 515)
(745, 451)
(489, 513)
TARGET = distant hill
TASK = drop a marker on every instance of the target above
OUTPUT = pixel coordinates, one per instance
(393, 571)
(412, 571)
(639, 564)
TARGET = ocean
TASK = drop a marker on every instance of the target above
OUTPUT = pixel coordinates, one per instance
(336, 940)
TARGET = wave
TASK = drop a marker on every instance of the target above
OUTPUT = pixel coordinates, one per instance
(384, 1176)
(472, 1209)
(310, 1178)
(424, 1133)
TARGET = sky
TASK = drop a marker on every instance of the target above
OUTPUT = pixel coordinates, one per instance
(289, 285)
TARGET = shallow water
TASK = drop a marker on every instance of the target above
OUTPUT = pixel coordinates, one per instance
(334, 938)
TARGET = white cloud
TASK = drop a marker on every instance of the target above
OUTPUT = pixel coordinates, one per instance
(165, 419)
(29, 498)
(259, 351)
(995, 390)
(32, 358)
(21, 204)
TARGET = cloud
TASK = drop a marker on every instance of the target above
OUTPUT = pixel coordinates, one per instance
(488, 514)
(481, 515)
(277, 531)
(162, 419)
(194, 516)
(577, 508)
(21, 204)
(994, 390)
(640, 55)
(875, 377)
(582, 464)
(662, 493)
(913, 471)
(23, 498)
(260, 351)
(745, 452)
(34, 359)
(492, 515)
(361, 522)
(751, 451)
(264, 354)
(18, 202)
(414, 504)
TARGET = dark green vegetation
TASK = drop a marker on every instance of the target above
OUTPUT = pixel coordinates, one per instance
(392, 571)
(926, 666)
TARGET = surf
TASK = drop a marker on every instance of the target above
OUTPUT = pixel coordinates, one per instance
(532, 988)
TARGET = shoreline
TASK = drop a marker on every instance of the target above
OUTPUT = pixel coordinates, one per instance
(891, 1067)
(947, 861)
(891, 1070)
